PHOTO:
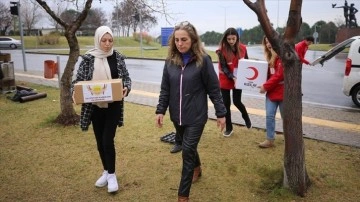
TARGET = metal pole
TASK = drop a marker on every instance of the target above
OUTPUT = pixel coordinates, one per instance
(225, 19)
(58, 70)
(117, 22)
(141, 42)
(22, 37)
(225, 11)
(277, 20)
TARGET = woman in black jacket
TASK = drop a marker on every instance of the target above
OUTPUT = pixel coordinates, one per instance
(188, 79)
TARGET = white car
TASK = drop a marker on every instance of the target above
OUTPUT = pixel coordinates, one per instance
(8, 42)
(351, 82)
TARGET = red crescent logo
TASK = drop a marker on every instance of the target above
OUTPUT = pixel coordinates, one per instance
(256, 73)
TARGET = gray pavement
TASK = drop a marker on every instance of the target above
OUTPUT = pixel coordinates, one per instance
(328, 124)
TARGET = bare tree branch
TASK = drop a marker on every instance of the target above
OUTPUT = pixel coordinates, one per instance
(260, 9)
(5, 17)
(51, 13)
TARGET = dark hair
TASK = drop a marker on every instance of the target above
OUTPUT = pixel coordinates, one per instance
(225, 47)
(310, 38)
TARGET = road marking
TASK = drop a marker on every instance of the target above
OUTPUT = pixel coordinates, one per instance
(261, 112)
(140, 92)
(309, 120)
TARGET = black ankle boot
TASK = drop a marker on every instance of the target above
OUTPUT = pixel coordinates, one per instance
(176, 148)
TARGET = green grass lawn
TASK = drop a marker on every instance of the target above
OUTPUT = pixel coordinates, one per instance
(127, 45)
(42, 161)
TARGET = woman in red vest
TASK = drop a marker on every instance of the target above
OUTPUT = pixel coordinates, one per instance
(302, 47)
(229, 52)
(274, 89)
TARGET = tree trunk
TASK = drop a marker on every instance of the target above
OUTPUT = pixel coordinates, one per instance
(68, 115)
(295, 175)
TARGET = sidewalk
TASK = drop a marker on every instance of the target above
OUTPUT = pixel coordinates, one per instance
(321, 123)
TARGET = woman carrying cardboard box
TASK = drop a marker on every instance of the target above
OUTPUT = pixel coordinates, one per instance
(104, 63)
(229, 52)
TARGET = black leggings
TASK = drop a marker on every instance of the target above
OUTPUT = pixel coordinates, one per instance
(190, 138)
(105, 121)
(238, 104)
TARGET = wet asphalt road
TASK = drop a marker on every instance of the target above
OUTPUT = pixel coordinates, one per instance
(320, 85)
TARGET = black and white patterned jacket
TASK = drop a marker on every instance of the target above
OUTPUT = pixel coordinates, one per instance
(85, 73)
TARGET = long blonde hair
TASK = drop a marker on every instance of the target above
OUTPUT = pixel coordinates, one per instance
(269, 53)
(197, 50)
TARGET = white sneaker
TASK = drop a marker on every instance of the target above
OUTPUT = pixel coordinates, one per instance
(102, 181)
(112, 183)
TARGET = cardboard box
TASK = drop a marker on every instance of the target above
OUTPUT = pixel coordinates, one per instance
(98, 91)
(251, 74)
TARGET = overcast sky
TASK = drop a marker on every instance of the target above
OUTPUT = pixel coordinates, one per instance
(212, 15)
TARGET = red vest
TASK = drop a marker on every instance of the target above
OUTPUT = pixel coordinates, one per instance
(225, 82)
(274, 85)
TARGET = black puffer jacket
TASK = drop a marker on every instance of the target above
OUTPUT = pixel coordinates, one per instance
(185, 91)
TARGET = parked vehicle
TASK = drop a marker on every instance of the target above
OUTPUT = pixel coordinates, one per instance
(8, 42)
(351, 82)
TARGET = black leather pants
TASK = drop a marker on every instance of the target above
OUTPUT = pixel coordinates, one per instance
(190, 138)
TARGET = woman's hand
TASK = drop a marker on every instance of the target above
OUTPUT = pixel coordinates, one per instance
(234, 79)
(73, 97)
(262, 89)
(159, 120)
(221, 123)
(125, 91)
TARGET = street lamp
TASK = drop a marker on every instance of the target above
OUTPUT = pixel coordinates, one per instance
(141, 39)
(316, 34)
(224, 7)
(117, 22)
(138, 17)
(277, 20)
(15, 10)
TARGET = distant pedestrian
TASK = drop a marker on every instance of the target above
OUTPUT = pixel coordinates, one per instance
(302, 47)
(189, 78)
(229, 52)
(104, 63)
(274, 89)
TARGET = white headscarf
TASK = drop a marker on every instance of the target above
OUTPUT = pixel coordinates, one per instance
(101, 65)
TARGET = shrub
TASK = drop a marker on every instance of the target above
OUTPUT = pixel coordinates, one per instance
(145, 37)
(50, 39)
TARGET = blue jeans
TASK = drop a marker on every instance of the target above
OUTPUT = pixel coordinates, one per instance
(271, 108)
